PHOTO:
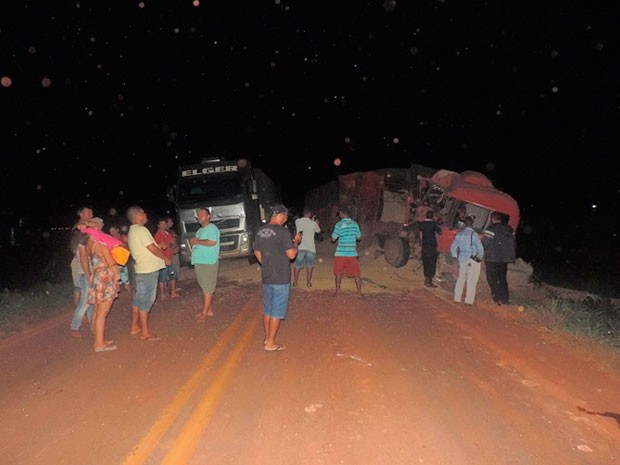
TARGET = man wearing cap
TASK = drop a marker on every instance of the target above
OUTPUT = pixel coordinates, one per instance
(347, 233)
(467, 248)
(274, 250)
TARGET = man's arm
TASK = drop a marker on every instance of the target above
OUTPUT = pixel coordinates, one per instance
(292, 253)
(206, 242)
(158, 253)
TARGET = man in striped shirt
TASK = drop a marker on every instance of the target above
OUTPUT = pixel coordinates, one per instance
(347, 233)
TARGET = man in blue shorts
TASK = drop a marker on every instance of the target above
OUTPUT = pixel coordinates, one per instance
(274, 250)
(149, 259)
(307, 226)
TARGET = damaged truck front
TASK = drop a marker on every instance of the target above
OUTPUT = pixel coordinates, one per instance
(388, 203)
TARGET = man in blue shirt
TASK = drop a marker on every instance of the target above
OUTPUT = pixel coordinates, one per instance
(467, 249)
(206, 260)
(347, 233)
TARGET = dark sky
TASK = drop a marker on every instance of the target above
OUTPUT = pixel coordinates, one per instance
(103, 100)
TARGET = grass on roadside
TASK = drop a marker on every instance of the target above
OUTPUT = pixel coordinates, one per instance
(19, 310)
(596, 319)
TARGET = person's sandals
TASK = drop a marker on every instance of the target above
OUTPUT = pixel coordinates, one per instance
(201, 317)
(275, 348)
(150, 337)
(107, 348)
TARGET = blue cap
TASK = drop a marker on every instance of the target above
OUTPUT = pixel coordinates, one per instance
(277, 209)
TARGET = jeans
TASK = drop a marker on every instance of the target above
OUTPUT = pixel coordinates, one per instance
(146, 291)
(497, 278)
(429, 265)
(275, 300)
(83, 308)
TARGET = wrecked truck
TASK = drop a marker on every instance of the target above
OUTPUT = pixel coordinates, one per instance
(388, 203)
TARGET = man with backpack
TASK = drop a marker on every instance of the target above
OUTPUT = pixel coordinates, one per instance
(499, 250)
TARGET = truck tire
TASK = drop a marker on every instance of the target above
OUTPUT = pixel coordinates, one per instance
(396, 252)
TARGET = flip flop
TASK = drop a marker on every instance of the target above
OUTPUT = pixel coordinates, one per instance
(151, 337)
(135, 333)
(106, 348)
(275, 349)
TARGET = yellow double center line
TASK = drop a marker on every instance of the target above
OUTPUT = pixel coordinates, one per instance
(185, 444)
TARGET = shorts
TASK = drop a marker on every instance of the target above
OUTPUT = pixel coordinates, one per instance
(124, 274)
(305, 258)
(176, 264)
(350, 265)
(275, 300)
(206, 275)
(131, 272)
(146, 290)
(166, 274)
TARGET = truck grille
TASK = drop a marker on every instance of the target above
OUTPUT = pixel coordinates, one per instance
(231, 223)
(229, 243)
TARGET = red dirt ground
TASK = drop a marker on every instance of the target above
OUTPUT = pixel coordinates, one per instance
(400, 376)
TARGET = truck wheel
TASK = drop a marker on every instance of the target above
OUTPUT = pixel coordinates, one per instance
(396, 252)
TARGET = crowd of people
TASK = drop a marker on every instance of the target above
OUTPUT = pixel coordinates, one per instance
(147, 265)
(104, 263)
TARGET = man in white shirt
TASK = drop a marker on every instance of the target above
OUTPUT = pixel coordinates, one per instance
(308, 226)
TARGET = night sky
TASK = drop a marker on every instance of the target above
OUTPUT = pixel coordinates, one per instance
(101, 102)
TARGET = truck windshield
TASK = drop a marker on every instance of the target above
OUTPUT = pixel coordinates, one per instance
(211, 189)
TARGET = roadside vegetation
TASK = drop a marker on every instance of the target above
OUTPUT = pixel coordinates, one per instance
(22, 309)
(593, 318)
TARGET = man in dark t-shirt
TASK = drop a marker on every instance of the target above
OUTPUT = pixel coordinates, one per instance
(274, 250)
(428, 236)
